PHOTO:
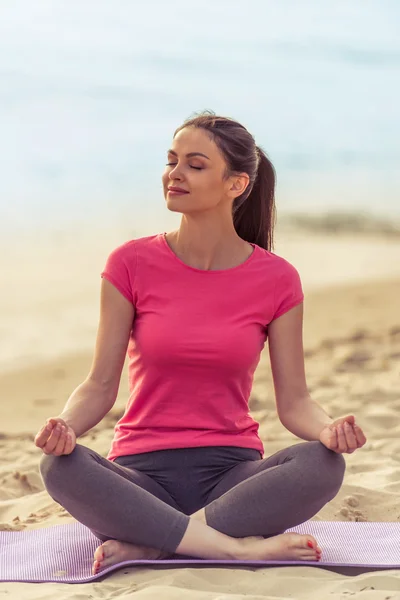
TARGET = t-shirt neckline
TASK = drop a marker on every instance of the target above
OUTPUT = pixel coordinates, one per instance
(240, 266)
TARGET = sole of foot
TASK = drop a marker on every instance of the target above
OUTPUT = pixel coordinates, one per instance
(112, 552)
(286, 546)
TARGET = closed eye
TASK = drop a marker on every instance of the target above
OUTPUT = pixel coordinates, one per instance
(173, 164)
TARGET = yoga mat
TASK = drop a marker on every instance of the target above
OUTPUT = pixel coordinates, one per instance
(64, 553)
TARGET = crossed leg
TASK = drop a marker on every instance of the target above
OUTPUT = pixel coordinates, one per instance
(266, 497)
(106, 497)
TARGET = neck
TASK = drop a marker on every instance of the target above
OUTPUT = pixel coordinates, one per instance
(209, 243)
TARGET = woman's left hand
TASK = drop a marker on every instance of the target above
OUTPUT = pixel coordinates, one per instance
(343, 436)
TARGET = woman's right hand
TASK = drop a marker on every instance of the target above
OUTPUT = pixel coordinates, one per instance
(56, 437)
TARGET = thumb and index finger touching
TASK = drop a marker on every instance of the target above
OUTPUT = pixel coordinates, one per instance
(358, 432)
(45, 432)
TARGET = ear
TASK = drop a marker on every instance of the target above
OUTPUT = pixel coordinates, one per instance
(239, 184)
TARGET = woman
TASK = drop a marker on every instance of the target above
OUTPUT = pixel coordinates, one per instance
(185, 473)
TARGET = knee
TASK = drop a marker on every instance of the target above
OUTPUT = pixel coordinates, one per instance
(325, 467)
(55, 470)
(48, 467)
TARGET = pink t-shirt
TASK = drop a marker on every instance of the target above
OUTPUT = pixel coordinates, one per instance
(195, 344)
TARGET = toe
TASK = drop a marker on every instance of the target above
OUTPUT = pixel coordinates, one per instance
(313, 558)
(312, 550)
(99, 554)
(95, 567)
(311, 542)
(308, 557)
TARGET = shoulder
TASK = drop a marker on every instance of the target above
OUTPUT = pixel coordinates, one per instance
(122, 265)
(131, 248)
(285, 280)
(280, 266)
(124, 258)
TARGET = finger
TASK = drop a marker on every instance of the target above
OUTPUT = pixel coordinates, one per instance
(43, 435)
(56, 421)
(351, 439)
(69, 445)
(59, 449)
(53, 440)
(342, 445)
(361, 439)
(349, 419)
(333, 440)
(40, 436)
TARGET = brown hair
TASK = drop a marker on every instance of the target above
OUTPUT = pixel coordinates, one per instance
(254, 212)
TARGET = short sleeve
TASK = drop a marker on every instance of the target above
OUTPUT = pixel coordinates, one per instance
(288, 291)
(120, 270)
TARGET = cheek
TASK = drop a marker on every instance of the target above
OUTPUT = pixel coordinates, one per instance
(165, 178)
(212, 185)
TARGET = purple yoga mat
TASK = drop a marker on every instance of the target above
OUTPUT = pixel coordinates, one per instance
(64, 553)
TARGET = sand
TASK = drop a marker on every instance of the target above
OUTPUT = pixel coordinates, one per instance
(352, 351)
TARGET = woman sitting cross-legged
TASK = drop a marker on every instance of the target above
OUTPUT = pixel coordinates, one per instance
(186, 473)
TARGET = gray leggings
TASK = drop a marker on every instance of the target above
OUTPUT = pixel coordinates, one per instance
(145, 499)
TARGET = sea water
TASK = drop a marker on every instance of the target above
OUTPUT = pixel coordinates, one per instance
(92, 90)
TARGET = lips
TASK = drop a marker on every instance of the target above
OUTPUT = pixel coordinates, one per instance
(177, 190)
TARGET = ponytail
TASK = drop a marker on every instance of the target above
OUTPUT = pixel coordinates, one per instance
(254, 216)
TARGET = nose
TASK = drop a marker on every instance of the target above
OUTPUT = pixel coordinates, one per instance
(175, 173)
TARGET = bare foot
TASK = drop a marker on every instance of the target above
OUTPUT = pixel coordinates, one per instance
(113, 551)
(286, 546)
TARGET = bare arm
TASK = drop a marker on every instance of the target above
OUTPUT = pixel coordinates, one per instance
(93, 398)
(296, 410)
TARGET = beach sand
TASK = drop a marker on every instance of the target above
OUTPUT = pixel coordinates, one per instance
(352, 351)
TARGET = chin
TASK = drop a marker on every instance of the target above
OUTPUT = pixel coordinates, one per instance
(174, 209)
(175, 205)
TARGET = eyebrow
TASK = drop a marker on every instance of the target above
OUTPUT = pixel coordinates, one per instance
(190, 154)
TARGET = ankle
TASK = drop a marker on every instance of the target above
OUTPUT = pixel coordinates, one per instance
(203, 541)
(249, 548)
(235, 550)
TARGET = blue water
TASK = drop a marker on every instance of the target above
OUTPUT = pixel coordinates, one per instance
(92, 90)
